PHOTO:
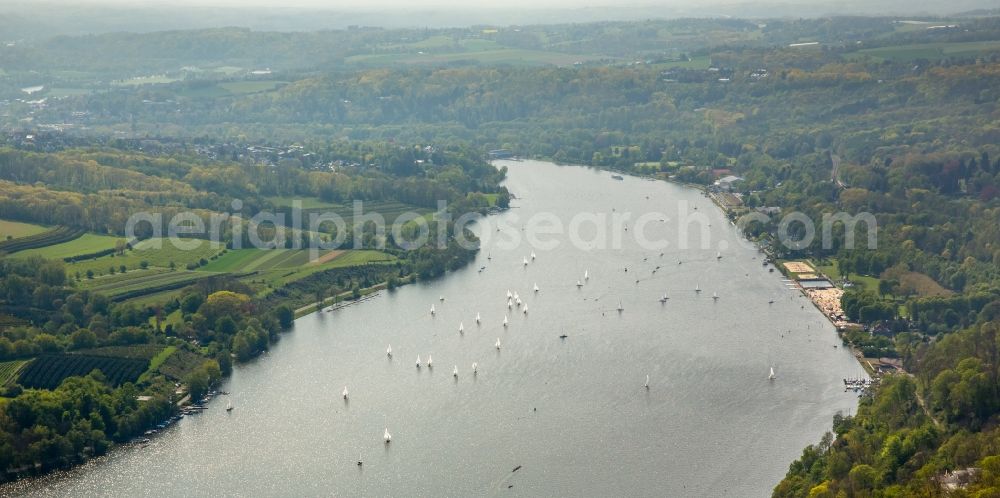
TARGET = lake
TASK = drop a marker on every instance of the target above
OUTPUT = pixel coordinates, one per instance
(572, 414)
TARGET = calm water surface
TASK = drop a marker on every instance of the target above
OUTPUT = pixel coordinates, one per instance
(572, 413)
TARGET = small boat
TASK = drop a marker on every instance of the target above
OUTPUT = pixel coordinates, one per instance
(386, 436)
(718, 255)
(510, 304)
(578, 284)
(505, 320)
(229, 407)
(620, 307)
(536, 288)
(715, 296)
(586, 274)
(646, 385)
(432, 309)
(525, 310)
(441, 298)
(475, 367)
(388, 351)
(461, 327)
(770, 301)
(344, 393)
(697, 288)
(509, 295)
(532, 255)
(454, 372)
(525, 261)
(516, 297)
(498, 344)
(489, 255)
(771, 376)
(664, 298)
(518, 302)
(477, 318)
(430, 362)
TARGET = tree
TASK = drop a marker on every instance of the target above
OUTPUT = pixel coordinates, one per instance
(285, 315)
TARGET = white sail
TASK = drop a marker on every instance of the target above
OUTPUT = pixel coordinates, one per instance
(454, 371)
(525, 309)
(498, 344)
(715, 295)
(461, 327)
(430, 361)
(536, 287)
(586, 274)
(509, 295)
(532, 254)
(432, 309)
(344, 394)
(477, 318)
(620, 307)
(525, 261)
(771, 377)
(418, 361)
(505, 320)
(386, 436)
(510, 304)
(646, 385)
(578, 284)
(475, 367)
(388, 351)
(441, 298)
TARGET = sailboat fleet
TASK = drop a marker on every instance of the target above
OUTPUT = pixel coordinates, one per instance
(514, 300)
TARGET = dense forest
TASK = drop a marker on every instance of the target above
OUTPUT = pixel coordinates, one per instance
(853, 115)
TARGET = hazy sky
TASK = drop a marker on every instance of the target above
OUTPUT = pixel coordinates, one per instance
(418, 4)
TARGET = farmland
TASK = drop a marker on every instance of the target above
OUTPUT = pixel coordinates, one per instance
(10, 369)
(903, 53)
(56, 235)
(16, 230)
(48, 371)
(87, 244)
(156, 253)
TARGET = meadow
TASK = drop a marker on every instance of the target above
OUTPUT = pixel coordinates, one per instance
(16, 229)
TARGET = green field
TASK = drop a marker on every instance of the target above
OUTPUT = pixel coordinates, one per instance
(157, 253)
(929, 50)
(151, 282)
(16, 229)
(307, 202)
(87, 244)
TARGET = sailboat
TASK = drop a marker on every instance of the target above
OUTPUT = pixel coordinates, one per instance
(498, 344)
(386, 436)
(461, 327)
(454, 372)
(664, 298)
(477, 318)
(518, 302)
(505, 320)
(489, 255)
(430, 362)
(509, 295)
(771, 376)
(697, 288)
(516, 296)
(475, 367)
(525, 309)
(586, 274)
(620, 307)
(441, 298)
(510, 304)
(715, 295)
(388, 351)
(532, 255)
(418, 361)
(525, 261)
(646, 385)
(536, 288)
(344, 394)
(578, 284)
(432, 309)
(718, 255)
(229, 407)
